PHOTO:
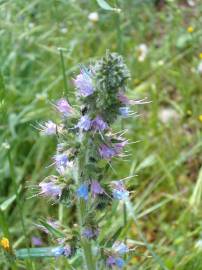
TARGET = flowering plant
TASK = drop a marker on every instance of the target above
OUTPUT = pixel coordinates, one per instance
(85, 149)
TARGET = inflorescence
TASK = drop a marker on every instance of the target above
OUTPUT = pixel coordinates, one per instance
(86, 146)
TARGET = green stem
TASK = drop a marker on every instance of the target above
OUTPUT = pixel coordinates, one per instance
(88, 255)
(124, 215)
(63, 69)
(119, 32)
(86, 245)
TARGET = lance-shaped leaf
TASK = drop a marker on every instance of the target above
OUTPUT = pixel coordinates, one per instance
(36, 252)
(104, 5)
(54, 231)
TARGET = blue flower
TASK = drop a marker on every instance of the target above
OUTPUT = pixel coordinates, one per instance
(58, 251)
(120, 248)
(83, 83)
(61, 162)
(120, 195)
(84, 123)
(88, 233)
(119, 262)
(124, 111)
(82, 192)
(112, 261)
(119, 192)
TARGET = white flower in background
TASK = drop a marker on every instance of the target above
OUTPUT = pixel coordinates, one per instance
(63, 30)
(191, 3)
(31, 25)
(160, 63)
(199, 68)
(167, 115)
(6, 145)
(41, 96)
(93, 17)
(142, 52)
(198, 244)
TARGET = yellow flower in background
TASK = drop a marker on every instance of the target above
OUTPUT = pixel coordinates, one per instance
(200, 118)
(190, 29)
(5, 243)
(189, 112)
(200, 55)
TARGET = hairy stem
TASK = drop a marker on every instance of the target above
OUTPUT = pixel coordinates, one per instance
(81, 211)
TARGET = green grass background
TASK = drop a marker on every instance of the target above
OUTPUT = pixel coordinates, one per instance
(168, 188)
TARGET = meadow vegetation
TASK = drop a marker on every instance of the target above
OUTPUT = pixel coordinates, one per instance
(161, 42)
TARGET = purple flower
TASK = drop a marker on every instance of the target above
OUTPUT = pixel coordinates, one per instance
(67, 250)
(61, 162)
(120, 248)
(119, 192)
(118, 147)
(83, 83)
(36, 241)
(123, 99)
(50, 189)
(82, 192)
(107, 152)
(111, 261)
(124, 111)
(88, 233)
(126, 101)
(48, 128)
(99, 124)
(84, 123)
(63, 107)
(96, 188)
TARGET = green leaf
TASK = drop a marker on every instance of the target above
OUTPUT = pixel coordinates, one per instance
(7, 203)
(147, 162)
(55, 232)
(183, 41)
(35, 252)
(196, 198)
(192, 262)
(104, 5)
